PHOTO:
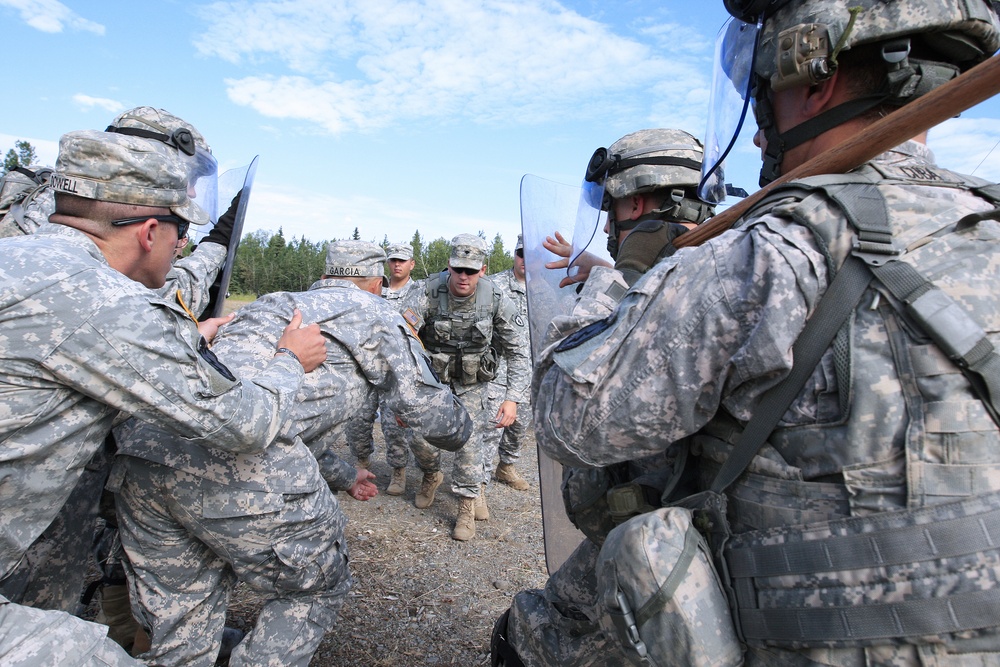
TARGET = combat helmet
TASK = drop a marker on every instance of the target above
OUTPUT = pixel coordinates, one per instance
(923, 44)
(161, 125)
(180, 133)
(649, 160)
(800, 40)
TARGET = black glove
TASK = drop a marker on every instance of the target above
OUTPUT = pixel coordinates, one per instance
(223, 229)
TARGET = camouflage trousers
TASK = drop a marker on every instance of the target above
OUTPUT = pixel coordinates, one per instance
(36, 638)
(559, 626)
(471, 468)
(397, 439)
(507, 441)
(189, 540)
(52, 571)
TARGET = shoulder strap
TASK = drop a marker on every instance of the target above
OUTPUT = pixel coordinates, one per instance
(945, 322)
(487, 300)
(437, 295)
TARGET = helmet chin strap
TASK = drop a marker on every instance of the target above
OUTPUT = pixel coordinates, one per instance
(682, 209)
(906, 79)
(780, 142)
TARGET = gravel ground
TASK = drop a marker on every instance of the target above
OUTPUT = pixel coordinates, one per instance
(420, 597)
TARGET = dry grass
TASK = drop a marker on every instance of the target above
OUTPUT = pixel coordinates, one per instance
(420, 597)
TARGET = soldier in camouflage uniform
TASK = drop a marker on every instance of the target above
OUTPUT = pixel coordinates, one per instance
(507, 441)
(51, 574)
(650, 180)
(84, 339)
(196, 518)
(397, 440)
(858, 532)
(20, 213)
(465, 323)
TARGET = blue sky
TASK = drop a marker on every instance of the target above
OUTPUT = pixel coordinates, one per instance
(390, 116)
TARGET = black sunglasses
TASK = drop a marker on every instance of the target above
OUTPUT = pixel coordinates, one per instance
(519, 253)
(182, 224)
(462, 269)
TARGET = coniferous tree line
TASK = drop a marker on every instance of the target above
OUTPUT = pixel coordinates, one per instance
(268, 262)
(22, 155)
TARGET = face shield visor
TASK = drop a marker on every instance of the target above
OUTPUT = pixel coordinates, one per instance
(590, 217)
(203, 183)
(732, 82)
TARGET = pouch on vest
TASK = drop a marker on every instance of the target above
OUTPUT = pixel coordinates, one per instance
(662, 598)
(488, 364)
(441, 365)
(442, 329)
(469, 369)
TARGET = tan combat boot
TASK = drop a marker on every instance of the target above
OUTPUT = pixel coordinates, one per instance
(430, 483)
(362, 464)
(397, 486)
(507, 474)
(482, 511)
(465, 524)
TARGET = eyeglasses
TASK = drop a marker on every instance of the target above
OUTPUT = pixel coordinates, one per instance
(182, 224)
(519, 253)
(462, 269)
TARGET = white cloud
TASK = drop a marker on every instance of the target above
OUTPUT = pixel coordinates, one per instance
(51, 16)
(87, 103)
(364, 64)
(969, 146)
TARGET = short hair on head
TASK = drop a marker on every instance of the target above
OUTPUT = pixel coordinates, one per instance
(102, 211)
(360, 281)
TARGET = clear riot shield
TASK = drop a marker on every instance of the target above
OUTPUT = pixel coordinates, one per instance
(231, 183)
(548, 207)
(590, 241)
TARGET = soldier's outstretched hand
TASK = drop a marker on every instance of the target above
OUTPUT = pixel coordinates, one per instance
(363, 488)
(558, 245)
(305, 342)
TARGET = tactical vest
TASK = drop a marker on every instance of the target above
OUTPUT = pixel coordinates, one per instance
(459, 343)
(884, 544)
